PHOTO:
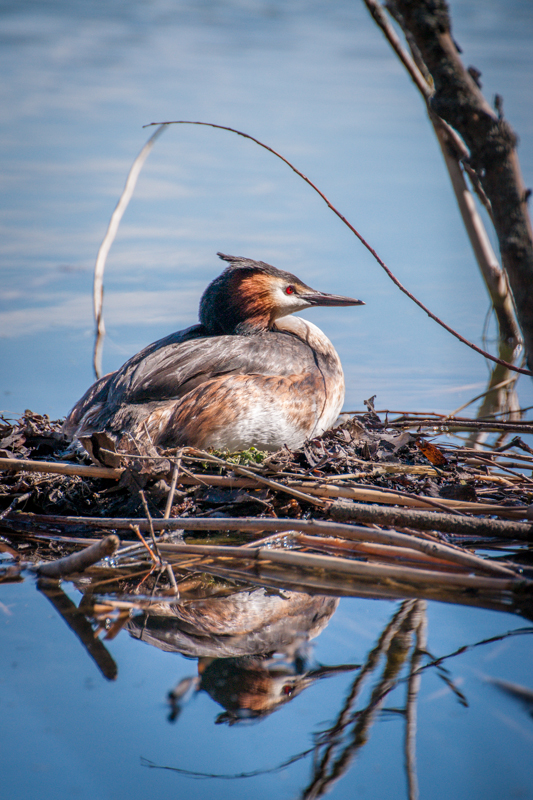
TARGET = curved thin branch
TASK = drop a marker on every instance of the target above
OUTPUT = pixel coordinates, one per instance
(356, 233)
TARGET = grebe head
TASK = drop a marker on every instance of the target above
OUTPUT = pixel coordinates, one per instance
(250, 295)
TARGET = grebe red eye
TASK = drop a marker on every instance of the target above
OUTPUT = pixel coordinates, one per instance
(289, 290)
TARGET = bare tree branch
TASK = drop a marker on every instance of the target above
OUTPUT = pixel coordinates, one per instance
(491, 143)
(455, 155)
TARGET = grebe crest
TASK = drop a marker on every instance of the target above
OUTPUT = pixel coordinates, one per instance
(248, 297)
(248, 374)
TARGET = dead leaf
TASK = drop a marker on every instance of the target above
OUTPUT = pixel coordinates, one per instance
(432, 453)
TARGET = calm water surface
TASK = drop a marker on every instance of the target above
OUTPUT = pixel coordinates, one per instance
(71, 733)
(316, 81)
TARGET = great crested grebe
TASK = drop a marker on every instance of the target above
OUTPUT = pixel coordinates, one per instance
(247, 374)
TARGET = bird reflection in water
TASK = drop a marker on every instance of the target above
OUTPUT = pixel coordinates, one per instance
(252, 648)
(251, 687)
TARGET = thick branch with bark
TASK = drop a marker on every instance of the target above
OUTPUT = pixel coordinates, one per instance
(490, 140)
(454, 152)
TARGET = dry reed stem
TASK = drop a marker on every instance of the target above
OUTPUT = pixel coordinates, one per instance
(494, 388)
(431, 521)
(391, 498)
(373, 550)
(505, 581)
(155, 559)
(489, 266)
(78, 562)
(449, 425)
(254, 525)
(487, 462)
(396, 573)
(20, 498)
(109, 238)
(58, 468)
(192, 479)
(175, 476)
(465, 452)
(150, 525)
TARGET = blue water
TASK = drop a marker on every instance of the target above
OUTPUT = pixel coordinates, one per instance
(69, 733)
(316, 81)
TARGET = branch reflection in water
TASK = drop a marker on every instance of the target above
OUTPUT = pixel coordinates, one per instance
(253, 646)
(254, 672)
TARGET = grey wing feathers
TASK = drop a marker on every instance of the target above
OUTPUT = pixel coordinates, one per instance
(171, 370)
(171, 367)
(104, 390)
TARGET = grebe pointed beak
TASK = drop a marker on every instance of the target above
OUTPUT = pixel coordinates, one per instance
(323, 299)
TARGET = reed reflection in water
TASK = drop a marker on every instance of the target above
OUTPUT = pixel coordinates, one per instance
(261, 659)
(254, 657)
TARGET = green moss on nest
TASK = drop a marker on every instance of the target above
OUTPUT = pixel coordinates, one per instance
(243, 457)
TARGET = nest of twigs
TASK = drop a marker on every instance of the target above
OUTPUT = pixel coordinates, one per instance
(370, 507)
